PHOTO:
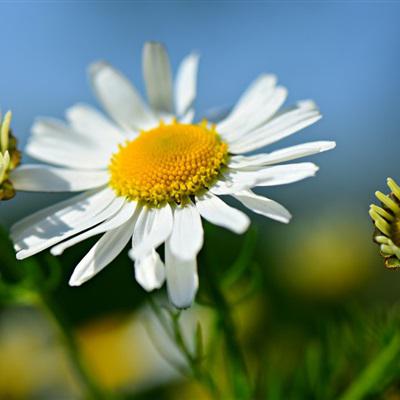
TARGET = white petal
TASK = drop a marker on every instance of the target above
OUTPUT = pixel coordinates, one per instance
(260, 85)
(284, 174)
(56, 143)
(125, 213)
(38, 239)
(67, 212)
(264, 206)
(153, 227)
(186, 82)
(236, 180)
(260, 114)
(214, 210)
(278, 156)
(182, 279)
(90, 122)
(256, 106)
(188, 117)
(102, 253)
(264, 85)
(158, 77)
(187, 233)
(150, 271)
(120, 99)
(41, 178)
(51, 152)
(307, 104)
(233, 181)
(276, 129)
(52, 128)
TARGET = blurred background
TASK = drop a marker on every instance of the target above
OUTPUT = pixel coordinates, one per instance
(321, 269)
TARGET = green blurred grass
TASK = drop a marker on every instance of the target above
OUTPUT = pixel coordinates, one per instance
(301, 340)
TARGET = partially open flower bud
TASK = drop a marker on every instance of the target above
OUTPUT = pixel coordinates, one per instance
(387, 222)
(10, 157)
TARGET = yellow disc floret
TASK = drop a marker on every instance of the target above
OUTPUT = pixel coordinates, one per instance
(168, 164)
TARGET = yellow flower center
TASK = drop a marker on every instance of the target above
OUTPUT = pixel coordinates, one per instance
(168, 164)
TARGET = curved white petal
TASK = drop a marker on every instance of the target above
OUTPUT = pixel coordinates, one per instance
(150, 271)
(284, 174)
(88, 121)
(54, 142)
(263, 85)
(119, 98)
(185, 84)
(182, 278)
(52, 128)
(278, 128)
(102, 253)
(264, 206)
(236, 180)
(279, 156)
(233, 181)
(259, 103)
(38, 240)
(261, 113)
(68, 212)
(42, 178)
(216, 211)
(306, 104)
(126, 212)
(153, 227)
(158, 77)
(51, 152)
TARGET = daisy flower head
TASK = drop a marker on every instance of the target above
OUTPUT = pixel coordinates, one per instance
(10, 157)
(149, 174)
(386, 219)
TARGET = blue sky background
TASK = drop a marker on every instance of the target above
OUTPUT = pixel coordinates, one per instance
(344, 55)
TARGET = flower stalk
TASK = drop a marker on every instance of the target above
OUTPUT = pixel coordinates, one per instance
(194, 360)
(239, 375)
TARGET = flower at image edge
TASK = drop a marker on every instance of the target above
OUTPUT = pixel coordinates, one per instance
(386, 219)
(10, 157)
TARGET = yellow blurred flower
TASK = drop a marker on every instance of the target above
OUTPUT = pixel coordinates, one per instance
(321, 263)
(118, 351)
(31, 362)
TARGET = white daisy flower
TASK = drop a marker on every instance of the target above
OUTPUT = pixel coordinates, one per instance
(148, 174)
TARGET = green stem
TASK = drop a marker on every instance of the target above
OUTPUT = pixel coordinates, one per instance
(198, 372)
(375, 372)
(240, 379)
(93, 390)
